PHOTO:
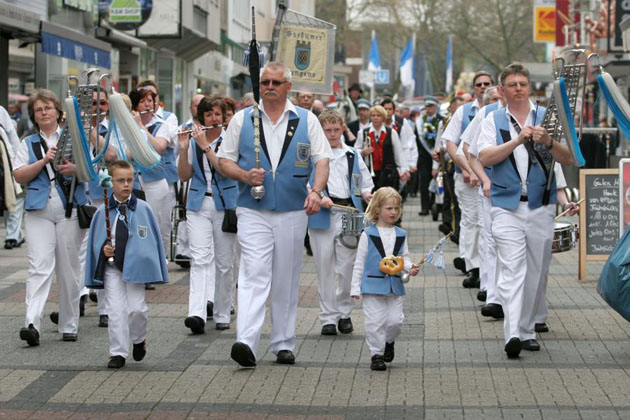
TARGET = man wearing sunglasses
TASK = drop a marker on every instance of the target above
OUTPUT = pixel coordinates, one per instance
(466, 182)
(271, 229)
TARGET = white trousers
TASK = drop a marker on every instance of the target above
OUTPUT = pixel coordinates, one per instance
(271, 261)
(468, 200)
(53, 245)
(488, 270)
(334, 263)
(13, 221)
(182, 247)
(161, 198)
(523, 239)
(383, 320)
(211, 249)
(128, 312)
(541, 310)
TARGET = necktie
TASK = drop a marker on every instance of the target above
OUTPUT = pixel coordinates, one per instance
(122, 235)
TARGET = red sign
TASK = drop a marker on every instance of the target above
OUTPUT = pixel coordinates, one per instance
(563, 19)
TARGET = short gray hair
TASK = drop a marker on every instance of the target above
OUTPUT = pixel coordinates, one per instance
(275, 65)
(488, 93)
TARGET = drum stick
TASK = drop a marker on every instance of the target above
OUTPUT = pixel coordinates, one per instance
(342, 207)
(568, 210)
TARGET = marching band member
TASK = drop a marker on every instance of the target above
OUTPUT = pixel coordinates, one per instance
(169, 156)
(154, 181)
(466, 182)
(406, 135)
(138, 258)
(363, 122)
(426, 129)
(182, 250)
(271, 230)
(210, 195)
(349, 182)
(382, 293)
(382, 143)
(53, 239)
(522, 225)
(488, 271)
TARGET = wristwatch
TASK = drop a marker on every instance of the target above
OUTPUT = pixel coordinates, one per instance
(320, 193)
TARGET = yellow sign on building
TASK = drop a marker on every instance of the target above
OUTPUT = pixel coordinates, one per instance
(544, 24)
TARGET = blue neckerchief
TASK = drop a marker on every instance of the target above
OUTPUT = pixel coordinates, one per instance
(132, 202)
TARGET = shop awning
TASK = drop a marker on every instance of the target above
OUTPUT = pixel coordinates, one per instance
(190, 46)
(62, 42)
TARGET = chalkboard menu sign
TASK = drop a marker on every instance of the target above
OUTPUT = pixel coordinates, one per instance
(599, 215)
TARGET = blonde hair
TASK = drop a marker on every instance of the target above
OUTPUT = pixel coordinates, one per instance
(382, 195)
(330, 116)
(379, 109)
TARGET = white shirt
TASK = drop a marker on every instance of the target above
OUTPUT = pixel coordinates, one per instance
(396, 146)
(488, 137)
(408, 142)
(21, 157)
(453, 131)
(274, 135)
(164, 131)
(207, 170)
(171, 121)
(388, 237)
(338, 185)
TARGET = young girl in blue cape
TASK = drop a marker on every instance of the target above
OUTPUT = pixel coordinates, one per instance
(134, 257)
(382, 293)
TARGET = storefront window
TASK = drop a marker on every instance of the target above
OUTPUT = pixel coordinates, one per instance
(165, 82)
(179, 89)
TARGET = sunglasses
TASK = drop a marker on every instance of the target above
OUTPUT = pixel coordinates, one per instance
(275, 83)
(480, 84)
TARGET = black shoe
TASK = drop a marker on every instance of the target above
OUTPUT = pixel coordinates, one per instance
(378, 362)
(222, 326)
(329, 329)
(116, 362)
(69, 336)
(232, 311)
(540, 328)
(513, 348)
(345, 326)
(444, 228)
(182, 260)
(93, 296)
(10, 243)
(30, 335)
(472, 279)
(389, 352)
(493, 310)
(423, 213)
(54, 317)
(19, 243)
(455, 239)
(460, 264)
(482, 295)
(139, 351)
(82, 305)
(196, 324)
(103, 321)
(285, 357)
(149, 286)
(530, 345)
(242, 354)
(209, 310)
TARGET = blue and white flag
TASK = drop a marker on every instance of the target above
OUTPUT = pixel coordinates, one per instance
(406, 65)
(449, 65)
(375, 62)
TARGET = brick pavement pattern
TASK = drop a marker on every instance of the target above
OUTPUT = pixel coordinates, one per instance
(449, 364)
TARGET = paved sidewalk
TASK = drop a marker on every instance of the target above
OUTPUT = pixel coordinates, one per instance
(449, 361)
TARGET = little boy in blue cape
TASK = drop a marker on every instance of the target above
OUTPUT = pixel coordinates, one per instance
(134, 257)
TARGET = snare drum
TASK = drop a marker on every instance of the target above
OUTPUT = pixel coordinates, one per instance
(351, 225)
(564, 237)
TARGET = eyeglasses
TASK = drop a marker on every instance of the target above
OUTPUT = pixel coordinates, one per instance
(123, 180)
(514, 84)
(103, 103)
(480, 84)
(275, 83)
(46, 109)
